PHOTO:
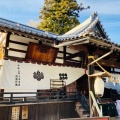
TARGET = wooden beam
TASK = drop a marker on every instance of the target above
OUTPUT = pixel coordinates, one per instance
(14, 58)
(16, 50)
(16, 42)
(79, 47)
(100, 52)
(101, 57)
(109, 63)
(112, 57)
(78, 54)
(76, 61)
(63, 52)
(59, 57)
(73, 64)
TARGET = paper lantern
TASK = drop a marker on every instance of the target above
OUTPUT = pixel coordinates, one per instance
(99, 86)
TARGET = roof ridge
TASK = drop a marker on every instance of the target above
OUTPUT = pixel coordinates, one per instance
(81, 27)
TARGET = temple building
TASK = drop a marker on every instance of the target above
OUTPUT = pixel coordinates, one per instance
(34, 62)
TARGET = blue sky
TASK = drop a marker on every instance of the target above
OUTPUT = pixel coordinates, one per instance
(22, 11)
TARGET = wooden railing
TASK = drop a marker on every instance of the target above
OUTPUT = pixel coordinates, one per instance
(84, 102)
(28, 97)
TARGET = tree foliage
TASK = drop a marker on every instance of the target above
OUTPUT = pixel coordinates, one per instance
(59, 16)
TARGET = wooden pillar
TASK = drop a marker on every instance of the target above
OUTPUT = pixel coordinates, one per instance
(64, 54)
(91, 80)
(7, 44)
(90, 83)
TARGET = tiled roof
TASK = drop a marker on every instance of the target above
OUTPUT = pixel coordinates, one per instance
(79, 32)
(83, 29)
(24, 28)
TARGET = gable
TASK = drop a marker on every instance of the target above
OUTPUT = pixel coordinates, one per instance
(98, 31)
(91, 27)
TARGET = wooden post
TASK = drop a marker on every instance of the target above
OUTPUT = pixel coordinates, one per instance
(64, 54)
(11, 97)
(91, 86)
(91, 71)
(7, 44)
(90, 82)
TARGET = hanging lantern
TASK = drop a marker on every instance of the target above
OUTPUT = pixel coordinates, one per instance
(99, 86)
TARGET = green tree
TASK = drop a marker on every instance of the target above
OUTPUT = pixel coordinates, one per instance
(59, 16)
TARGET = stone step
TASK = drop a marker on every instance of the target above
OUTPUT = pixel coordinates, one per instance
(82, 112)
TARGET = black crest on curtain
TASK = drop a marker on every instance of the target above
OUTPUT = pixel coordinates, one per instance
(38, 75)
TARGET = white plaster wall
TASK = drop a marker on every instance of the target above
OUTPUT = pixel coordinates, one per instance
(16, 46)
(71, 50)
(22, 39)
(16, 54)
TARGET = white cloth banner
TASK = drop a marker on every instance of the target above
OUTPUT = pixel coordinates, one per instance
(19, 77)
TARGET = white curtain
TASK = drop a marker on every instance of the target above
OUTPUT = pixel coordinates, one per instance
(24, 71)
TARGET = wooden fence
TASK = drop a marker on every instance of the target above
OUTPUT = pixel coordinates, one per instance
(28, 97)
(39, 111)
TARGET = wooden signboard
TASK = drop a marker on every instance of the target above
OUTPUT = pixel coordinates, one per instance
(24, 112)
(15, 113)
(41, 53)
